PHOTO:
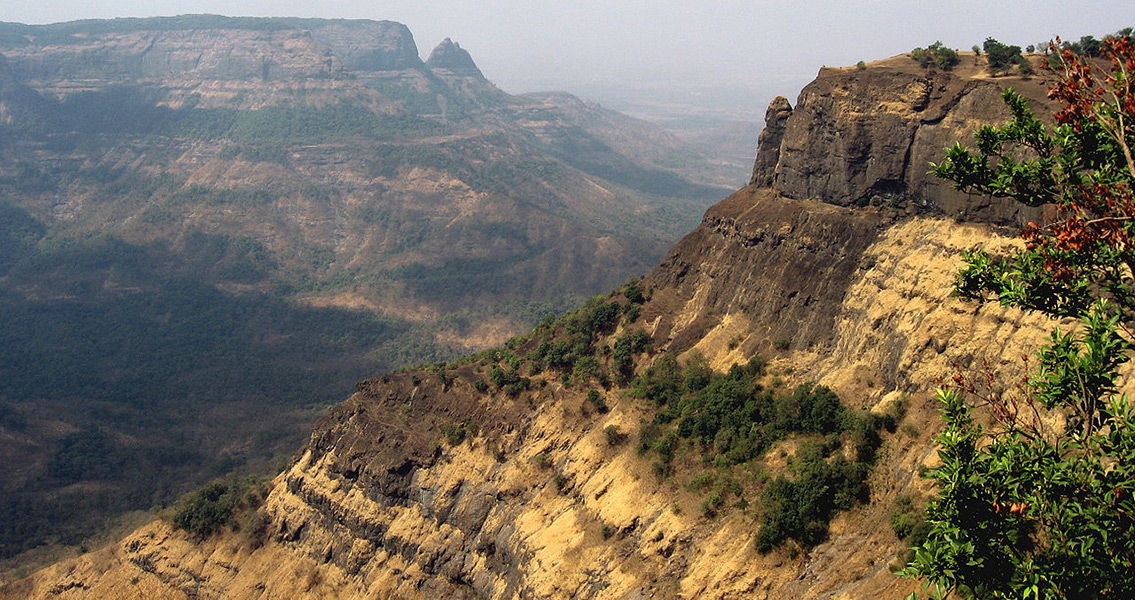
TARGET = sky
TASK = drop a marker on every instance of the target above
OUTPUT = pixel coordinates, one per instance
(730, 54)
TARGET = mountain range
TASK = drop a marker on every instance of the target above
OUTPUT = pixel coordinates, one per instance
(749, 420)
(206, 218)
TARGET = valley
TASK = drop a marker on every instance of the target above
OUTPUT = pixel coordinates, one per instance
(209, 217)
(755, 413)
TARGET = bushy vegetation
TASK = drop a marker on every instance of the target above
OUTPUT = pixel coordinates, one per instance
(1002, 57)
(568, 346)
(731, 416)
(731, 419)
(86, 455)
(908, 521)
(218, 505)
(800, 508)
(935, 55)
(1028, 510)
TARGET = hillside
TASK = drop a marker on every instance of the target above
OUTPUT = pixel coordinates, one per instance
(503, 475)
(206, 218)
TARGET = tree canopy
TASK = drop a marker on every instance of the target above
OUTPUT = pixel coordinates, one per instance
(1027, 509)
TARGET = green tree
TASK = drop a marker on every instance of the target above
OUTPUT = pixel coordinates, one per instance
(937, 54)
(1027, 510)
(1001, 57)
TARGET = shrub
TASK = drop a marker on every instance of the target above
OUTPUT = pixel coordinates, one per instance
(1001, 57)
(936, 55)
(701, 481)
(633, 292)
(455, 433)
(801, 508)
(905, 517)
(215, 505)
(594, 398)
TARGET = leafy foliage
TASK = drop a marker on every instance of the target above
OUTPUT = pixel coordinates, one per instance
(732, 416)
(800, 508)
(935, 55)
(1027, 510)
(733, 419)
(1001, 57)
(216, 505)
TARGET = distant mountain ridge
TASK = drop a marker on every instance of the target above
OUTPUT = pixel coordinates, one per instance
(212, 216)
(556, 466)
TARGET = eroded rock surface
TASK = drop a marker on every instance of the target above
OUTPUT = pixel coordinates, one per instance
(868, 136)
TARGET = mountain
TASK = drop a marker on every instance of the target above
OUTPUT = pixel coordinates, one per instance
(865, 136)
(206, 218)
(631, 449)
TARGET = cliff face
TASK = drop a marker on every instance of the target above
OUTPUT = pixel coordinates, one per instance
(214, 66)
(540, 502)
(367, 46)
(867, 136)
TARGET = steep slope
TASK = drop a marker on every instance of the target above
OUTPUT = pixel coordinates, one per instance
(207, 217)
(865, 136)
(538, 497)
(378, 503)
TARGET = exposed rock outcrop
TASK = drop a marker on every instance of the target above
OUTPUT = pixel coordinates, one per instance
(451, 59)
(768, 144)
(867, 136)
(365, 46)
(782, 263)
(217, 54)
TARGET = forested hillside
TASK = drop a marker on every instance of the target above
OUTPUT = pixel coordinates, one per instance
(212, 227)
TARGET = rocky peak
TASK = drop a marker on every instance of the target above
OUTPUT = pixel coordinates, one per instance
(451, 57)
(768, 144)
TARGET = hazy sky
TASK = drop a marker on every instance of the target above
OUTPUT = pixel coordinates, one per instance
(724, 47)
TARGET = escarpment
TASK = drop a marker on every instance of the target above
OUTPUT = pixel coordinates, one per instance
(431, 483)
(867, 136)
(780, 265)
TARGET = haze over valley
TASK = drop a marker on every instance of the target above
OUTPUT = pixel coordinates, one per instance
(647, 301)
(206, 216)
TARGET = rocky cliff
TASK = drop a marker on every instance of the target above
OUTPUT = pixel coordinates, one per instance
(537, 499)
(866, 136)
(183, 52)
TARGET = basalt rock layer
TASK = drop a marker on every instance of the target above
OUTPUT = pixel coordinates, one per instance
(866, 136)
(540, 497)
